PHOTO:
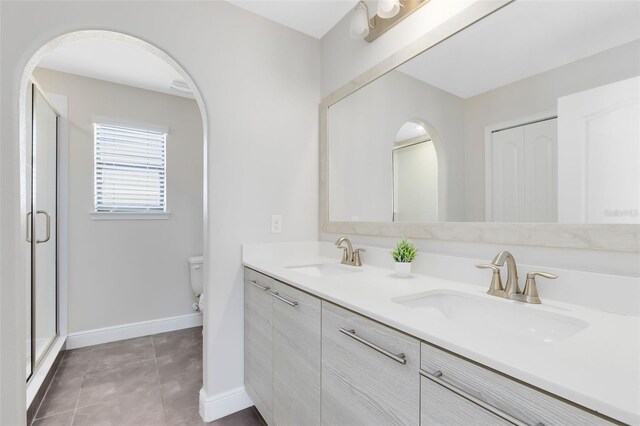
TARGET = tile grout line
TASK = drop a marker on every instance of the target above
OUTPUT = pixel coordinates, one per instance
(52, 415)
(35, 415)
(83, 377)
(155, 361)
(75, 410)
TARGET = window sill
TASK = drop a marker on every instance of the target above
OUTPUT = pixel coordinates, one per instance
(130, 215)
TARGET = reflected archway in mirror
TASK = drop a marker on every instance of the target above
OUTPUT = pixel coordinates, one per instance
(415, 174)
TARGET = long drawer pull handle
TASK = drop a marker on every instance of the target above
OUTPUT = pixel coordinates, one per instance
(396, 357)
(436, 377)
(287, 301)
(261, 287)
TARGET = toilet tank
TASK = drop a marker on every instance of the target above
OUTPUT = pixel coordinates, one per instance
(195, 265)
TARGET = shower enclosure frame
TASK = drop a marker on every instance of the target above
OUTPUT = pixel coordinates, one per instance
(35, 360)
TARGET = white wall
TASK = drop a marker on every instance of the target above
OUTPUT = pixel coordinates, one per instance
(344, 59)
(362, 131)
(260, 83)
(136, 269)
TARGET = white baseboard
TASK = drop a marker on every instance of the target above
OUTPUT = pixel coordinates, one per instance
(129, 331)
(218, 406)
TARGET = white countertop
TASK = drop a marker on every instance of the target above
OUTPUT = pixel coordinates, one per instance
(598, 368)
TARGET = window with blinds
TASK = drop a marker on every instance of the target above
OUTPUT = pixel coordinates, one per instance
(130, 169)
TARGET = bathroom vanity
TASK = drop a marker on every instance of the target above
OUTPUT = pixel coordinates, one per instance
(332, 344)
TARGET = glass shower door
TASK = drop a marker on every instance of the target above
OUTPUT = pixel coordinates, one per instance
(28, 246)
(44, 268)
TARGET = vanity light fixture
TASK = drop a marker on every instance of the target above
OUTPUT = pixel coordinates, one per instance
(389, 13)
(388, 8)
(359, 25)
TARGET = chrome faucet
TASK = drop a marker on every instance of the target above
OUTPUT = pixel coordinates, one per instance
(349, 255)
(512, 289)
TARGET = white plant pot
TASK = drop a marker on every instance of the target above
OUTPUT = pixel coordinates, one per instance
(403, 269)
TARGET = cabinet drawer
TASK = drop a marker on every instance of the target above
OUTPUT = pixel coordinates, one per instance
(517, 400)
(369, 371)
(440, 406)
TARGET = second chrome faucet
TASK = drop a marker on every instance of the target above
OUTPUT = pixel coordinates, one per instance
(512, 288)
(349, 255)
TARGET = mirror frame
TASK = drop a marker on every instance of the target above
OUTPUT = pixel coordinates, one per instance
(613, 237)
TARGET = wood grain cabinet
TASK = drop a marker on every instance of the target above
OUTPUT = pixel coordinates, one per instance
(456, 391)
(440, 406)
(282, 351)
(369, 371)
(296, 356)
(310, 362)
(258, 342)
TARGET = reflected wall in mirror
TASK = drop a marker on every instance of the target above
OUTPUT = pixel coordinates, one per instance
(415, 174)
(532, 114)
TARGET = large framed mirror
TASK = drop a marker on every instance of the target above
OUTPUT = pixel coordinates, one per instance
(516, 122)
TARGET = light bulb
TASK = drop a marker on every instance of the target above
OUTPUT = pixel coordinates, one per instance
(388, 8)
(359, 25)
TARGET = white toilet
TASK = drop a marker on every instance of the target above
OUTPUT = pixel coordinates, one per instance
(195, 265)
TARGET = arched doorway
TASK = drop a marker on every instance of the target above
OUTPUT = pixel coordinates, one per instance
(39, 371)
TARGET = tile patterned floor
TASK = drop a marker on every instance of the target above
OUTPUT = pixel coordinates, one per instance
(146, 381)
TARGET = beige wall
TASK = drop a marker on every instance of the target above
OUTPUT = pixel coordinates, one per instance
(123, 271)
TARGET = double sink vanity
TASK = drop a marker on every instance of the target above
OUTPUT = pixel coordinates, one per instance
(332, 344)
(512, 124)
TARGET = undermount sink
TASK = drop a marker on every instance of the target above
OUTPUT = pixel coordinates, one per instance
(322, 269)
(499, 315)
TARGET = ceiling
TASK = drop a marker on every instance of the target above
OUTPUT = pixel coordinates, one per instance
(122, 63)
(117, 62)
(311, 17)
(541, 34)
(523, 39)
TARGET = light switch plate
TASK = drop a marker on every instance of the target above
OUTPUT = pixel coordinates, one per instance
(276, 224)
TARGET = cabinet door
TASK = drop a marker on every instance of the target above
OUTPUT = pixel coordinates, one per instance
(296, 356)
(361, 385)
(258, 342)
(440, 406)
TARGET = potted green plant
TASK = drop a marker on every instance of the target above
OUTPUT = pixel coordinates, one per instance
(403, 254)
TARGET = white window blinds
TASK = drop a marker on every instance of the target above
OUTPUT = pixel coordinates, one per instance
(130, 169)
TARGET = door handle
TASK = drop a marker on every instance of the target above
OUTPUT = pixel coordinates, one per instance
(28, 228)
(48, 230)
